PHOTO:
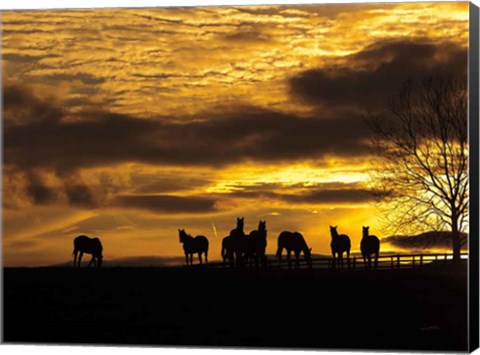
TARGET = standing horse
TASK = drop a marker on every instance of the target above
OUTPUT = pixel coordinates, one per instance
(191, 245)
(83, 244)
(369, 245)
(258, 239)
(296, 243)
(340, 244)
(233, 246)
(231, 249)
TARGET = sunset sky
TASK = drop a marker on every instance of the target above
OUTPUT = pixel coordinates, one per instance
(129, 124)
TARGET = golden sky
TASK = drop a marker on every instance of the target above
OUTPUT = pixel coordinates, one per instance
(128, 124)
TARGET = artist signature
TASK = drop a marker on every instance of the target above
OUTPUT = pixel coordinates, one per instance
(429, 328)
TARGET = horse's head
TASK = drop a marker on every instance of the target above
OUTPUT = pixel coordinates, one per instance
(182, 235)
(333, 230)
(240, 223)
(365, 231)
(262, 226)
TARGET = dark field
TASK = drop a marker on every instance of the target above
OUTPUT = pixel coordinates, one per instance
(399, 309)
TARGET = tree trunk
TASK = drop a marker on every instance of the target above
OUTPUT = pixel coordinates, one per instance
(456, 246)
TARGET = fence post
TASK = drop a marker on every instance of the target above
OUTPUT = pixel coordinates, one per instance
(391, 262)
(413, 261)
(421, 260)
(446, 256)
(398, 261)
(354, 262)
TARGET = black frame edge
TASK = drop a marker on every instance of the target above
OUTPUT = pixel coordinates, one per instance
(473, 85)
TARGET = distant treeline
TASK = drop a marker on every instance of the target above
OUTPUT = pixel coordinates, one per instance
(426, 240)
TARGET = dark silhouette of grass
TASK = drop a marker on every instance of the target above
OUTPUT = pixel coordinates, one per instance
(421, 309)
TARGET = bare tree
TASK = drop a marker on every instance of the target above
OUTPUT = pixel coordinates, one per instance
(421, 141)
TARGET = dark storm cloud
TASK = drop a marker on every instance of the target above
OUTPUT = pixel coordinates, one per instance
(36, 135)
(372, 76)
(167, 203)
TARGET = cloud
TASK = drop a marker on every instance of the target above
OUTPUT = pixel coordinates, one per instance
(38, 192)
(354, 195)
(167, 203)
(80, 195)
(369, 78)
(158, 183)
(45, 138)
(247, 37)
(334, 193)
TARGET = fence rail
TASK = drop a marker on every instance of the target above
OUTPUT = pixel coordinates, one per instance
(397, 261)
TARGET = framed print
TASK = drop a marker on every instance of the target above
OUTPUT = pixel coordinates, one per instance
(299, 176)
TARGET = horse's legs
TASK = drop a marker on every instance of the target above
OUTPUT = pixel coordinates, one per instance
(206, 256)
(75, 253)
(91, 261)
(80, 258)
(333, 261)
(288, 258)
(186, 258)
(369, 261)
(376, 260)
(365, 261)
(297, 262)
(237, 257)
(200, 257)
(191, 258)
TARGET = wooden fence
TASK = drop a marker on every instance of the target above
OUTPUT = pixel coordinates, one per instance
(397, 261)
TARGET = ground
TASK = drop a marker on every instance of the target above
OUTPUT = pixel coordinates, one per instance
(421, 309)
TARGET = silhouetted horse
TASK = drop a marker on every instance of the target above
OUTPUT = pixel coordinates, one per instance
(231, 244)
(339, 245)
(83, 244)
(238, 231)
(191, 245)
(293, 242)
(258, 240)
(369, 245)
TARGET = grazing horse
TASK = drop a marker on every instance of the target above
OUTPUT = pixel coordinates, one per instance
(258, 240)
(369, 245)
(231, 248)
(296, 243)
(339, 245)
(83, 244)
(191, 245)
